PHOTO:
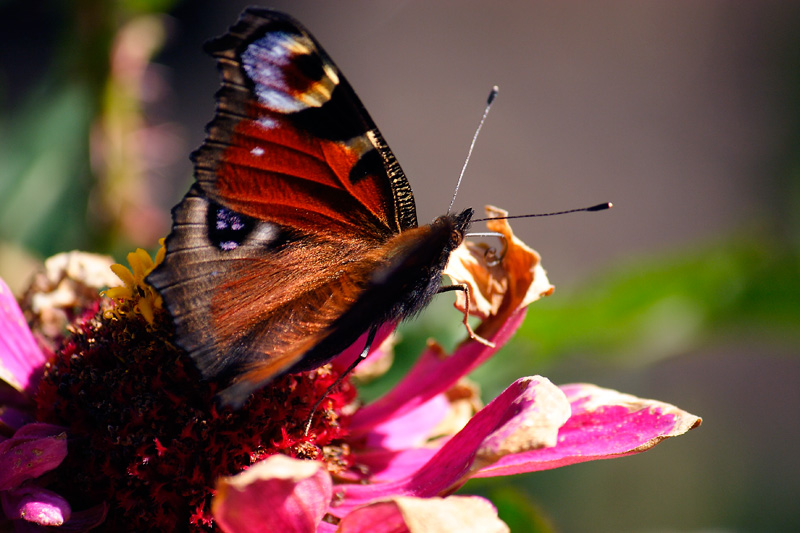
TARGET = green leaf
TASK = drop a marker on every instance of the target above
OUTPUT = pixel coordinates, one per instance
(45, 181)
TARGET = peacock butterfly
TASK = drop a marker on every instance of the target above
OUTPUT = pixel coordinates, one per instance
(300, 232)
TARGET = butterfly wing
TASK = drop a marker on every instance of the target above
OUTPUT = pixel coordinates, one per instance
(291, 143)
(295, 190)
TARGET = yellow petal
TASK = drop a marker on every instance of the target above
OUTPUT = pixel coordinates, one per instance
(119, 293)
(124, 274)
(136, 265)
(146, 309)
(161, 252)
(147, 261)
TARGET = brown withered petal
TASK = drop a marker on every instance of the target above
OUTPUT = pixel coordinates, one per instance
(500, 282)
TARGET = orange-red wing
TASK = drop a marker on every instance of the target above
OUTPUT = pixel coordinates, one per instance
(291, 143)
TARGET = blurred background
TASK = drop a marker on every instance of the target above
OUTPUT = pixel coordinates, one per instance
(684, 114)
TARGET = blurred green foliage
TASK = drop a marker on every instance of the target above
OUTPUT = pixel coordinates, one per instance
(661, 306)
(45, 180)
(46, 172)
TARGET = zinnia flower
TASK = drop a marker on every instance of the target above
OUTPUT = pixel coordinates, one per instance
(28, 450)
(146, 441)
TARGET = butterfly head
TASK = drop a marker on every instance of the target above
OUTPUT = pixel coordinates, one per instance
(458, 223)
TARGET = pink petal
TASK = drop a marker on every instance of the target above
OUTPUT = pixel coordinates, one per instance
(381, 517)
(410, 429)
(391, 465)
(465, 514)
(33, 450)
(604, 424)
(509, 417)
(277, 494)
(433, 374)
(21, 360)
(36, 505)
(535, 426)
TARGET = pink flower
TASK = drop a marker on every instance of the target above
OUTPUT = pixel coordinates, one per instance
(33, 449)
(130, 436)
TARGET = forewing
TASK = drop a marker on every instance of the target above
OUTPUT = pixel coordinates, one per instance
(291, 143)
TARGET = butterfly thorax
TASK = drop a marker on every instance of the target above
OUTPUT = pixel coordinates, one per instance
(408, 276)
(417, 258)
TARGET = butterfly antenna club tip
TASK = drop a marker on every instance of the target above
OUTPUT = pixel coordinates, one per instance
(492, 95)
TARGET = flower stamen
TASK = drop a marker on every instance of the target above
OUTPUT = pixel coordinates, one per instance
(136, 295)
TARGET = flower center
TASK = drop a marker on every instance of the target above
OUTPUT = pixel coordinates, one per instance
(147, 436)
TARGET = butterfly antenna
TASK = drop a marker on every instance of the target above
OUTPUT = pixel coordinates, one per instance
(492, 96)
(598, 207)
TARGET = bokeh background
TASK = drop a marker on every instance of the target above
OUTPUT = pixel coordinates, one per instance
(684, 114)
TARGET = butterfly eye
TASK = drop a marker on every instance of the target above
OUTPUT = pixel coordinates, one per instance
(455, 238)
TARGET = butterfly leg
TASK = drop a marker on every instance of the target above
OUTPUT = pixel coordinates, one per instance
(465, 288)
(491, 255)
(373, 330)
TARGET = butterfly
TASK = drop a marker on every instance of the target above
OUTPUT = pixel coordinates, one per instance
(300, 232)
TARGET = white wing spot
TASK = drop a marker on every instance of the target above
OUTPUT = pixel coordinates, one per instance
(267, 123)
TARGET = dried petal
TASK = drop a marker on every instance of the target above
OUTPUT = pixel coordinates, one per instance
(464, 401)
(541, 410)
(498, 288)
